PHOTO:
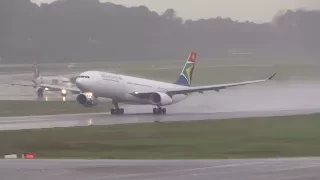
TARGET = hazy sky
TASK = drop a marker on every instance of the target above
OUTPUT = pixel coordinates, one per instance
(252, 10)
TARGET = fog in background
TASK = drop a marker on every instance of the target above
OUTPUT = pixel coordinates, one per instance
(252, 10)
(87, 30)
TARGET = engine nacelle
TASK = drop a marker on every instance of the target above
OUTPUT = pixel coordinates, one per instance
(87, 99)
(160, 99)
(39, 90)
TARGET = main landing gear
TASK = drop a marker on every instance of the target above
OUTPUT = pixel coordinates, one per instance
(159, 110)
(116, 110)
(40, 96)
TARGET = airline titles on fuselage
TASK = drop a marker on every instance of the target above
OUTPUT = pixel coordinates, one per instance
(106, 76)
(109, 77)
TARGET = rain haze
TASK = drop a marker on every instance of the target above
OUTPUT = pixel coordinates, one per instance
(79, 30)
(147, 61)
(90, 63)
(89, 30)
(251, 10)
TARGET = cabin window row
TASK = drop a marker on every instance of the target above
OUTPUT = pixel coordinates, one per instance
(84, 77)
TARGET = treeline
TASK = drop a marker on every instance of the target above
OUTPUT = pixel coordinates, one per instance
(87, 30)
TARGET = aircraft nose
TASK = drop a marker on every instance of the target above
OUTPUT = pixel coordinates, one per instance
(79, 82)
(83, 82)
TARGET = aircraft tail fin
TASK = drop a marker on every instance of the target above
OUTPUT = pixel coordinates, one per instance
(36, 70)
(185, 77)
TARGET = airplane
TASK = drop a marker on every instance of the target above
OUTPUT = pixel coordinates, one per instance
(133, 90)
(48, 83)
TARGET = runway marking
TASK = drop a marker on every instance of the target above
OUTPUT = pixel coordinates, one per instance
(33, 120)
(221, 166)
(45, 117)
(104, 118)
(253, 168)
(52, 117)
(166, 173)
(295, 168)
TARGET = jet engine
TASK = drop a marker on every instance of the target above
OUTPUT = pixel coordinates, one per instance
(160, 99)
(39, 92)
(87, 99)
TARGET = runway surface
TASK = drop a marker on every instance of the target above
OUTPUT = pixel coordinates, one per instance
(254, 169)
(72, 120)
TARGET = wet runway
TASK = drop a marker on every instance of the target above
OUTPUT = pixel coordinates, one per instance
(71, 120)
(253, 169)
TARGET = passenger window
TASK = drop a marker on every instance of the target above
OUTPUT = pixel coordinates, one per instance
(88, 77)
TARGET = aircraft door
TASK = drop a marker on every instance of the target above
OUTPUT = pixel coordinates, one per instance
(119, 89)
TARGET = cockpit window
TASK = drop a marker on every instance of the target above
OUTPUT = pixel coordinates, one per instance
(87, 77)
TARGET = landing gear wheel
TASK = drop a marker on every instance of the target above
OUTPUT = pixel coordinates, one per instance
(40, 96)
(159, 110)
(117, 111)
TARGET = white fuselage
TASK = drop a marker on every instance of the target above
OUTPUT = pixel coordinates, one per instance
(118, 87)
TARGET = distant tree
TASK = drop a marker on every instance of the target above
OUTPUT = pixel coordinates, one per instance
(87, 30)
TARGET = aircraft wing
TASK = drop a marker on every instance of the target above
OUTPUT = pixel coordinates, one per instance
(200, 89)
(58, 88)
(49, 86)
(18, 84)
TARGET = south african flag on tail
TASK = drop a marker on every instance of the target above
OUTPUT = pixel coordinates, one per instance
(185, 77)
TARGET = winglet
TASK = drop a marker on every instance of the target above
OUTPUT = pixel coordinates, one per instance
(272, 76)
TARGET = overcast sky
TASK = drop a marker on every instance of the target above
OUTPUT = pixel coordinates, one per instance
(252, 10)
